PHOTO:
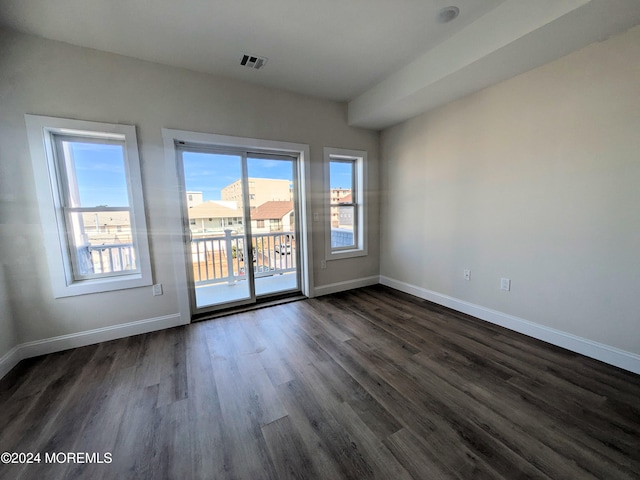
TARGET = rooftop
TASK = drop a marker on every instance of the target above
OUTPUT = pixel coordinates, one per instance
(272, 210)
(212, 209)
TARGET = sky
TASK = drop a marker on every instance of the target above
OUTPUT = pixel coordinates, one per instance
(341, 174)
(102, 180)
(209, 173)
(100, 174)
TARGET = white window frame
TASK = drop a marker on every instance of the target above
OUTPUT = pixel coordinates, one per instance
(359, 159)
(42, 132)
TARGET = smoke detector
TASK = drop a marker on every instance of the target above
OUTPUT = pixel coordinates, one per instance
(253, 61)
(448, 13)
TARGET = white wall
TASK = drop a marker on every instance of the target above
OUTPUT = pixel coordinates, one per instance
(8, 337)
(43, 77)
(536, 179)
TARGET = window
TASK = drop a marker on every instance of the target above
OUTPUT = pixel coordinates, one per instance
(346, 222)
(90, 197)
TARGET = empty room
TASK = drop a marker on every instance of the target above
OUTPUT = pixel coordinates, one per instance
(320, 240)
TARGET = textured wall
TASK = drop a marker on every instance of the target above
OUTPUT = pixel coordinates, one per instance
(43, 77)
(535, 179)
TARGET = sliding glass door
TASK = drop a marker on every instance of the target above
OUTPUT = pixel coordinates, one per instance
(239, 217)
(273, 223)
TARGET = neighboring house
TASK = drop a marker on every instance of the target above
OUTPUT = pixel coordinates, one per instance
(337, 214)
(213, 217)
(193, 199)
(338, 194)
(273, 216)
(108, 228)
(342, 223)
(261, 190)
(345, 214)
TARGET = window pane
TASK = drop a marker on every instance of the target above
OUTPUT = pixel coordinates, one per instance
(341, 175)
(102, 242)
(341, 181)
(95, 174)
(342, 227)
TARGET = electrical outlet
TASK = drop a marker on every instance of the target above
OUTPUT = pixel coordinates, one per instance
(467, 274)
(505, 284)
(323, 264)
(157, 289)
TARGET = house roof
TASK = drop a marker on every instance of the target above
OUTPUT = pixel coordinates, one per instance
(346, 199)
(107, 218)
(212, 209)
(272, 210)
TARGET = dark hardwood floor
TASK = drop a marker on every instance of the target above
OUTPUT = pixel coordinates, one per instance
(370, 383)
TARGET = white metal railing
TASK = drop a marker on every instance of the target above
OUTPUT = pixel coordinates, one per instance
(222, 258)
(108, 258)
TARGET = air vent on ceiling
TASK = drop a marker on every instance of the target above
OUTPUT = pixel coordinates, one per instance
(253, 61)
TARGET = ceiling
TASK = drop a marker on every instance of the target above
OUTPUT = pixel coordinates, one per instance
(390, 59)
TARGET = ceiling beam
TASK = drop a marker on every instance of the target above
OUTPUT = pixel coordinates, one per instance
(516, 36)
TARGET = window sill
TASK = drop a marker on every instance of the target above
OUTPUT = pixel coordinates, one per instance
(101, 285)
(342, 254)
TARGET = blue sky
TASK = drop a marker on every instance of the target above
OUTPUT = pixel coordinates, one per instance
(209, 173)
(101, 176)
(341, 174)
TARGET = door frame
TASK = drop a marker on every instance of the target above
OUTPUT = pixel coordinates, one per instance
(175, 228)
(247, 238)
(255, 154)
(243, 155)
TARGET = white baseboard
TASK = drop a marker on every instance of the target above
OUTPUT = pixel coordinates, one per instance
(347, 285)
(9, 360)
(605, 353)
(81, 339)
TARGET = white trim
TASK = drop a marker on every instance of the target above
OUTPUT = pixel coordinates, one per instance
(177, 236)
(9, 360)
(346, 285)
(88, 337)
(40, 132)
(605, 353)
(361, 228)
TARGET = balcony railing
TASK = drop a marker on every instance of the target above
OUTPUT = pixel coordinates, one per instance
(224, 258)
(107, 258)
(215, 259)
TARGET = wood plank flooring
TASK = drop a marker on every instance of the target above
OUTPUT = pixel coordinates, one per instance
(371, 383)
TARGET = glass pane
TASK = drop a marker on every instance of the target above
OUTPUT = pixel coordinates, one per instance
(96, 175)
(273, 224)
(341, 181)
(219, 255)
(342, 220)
(103, 242)
(341, 177)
